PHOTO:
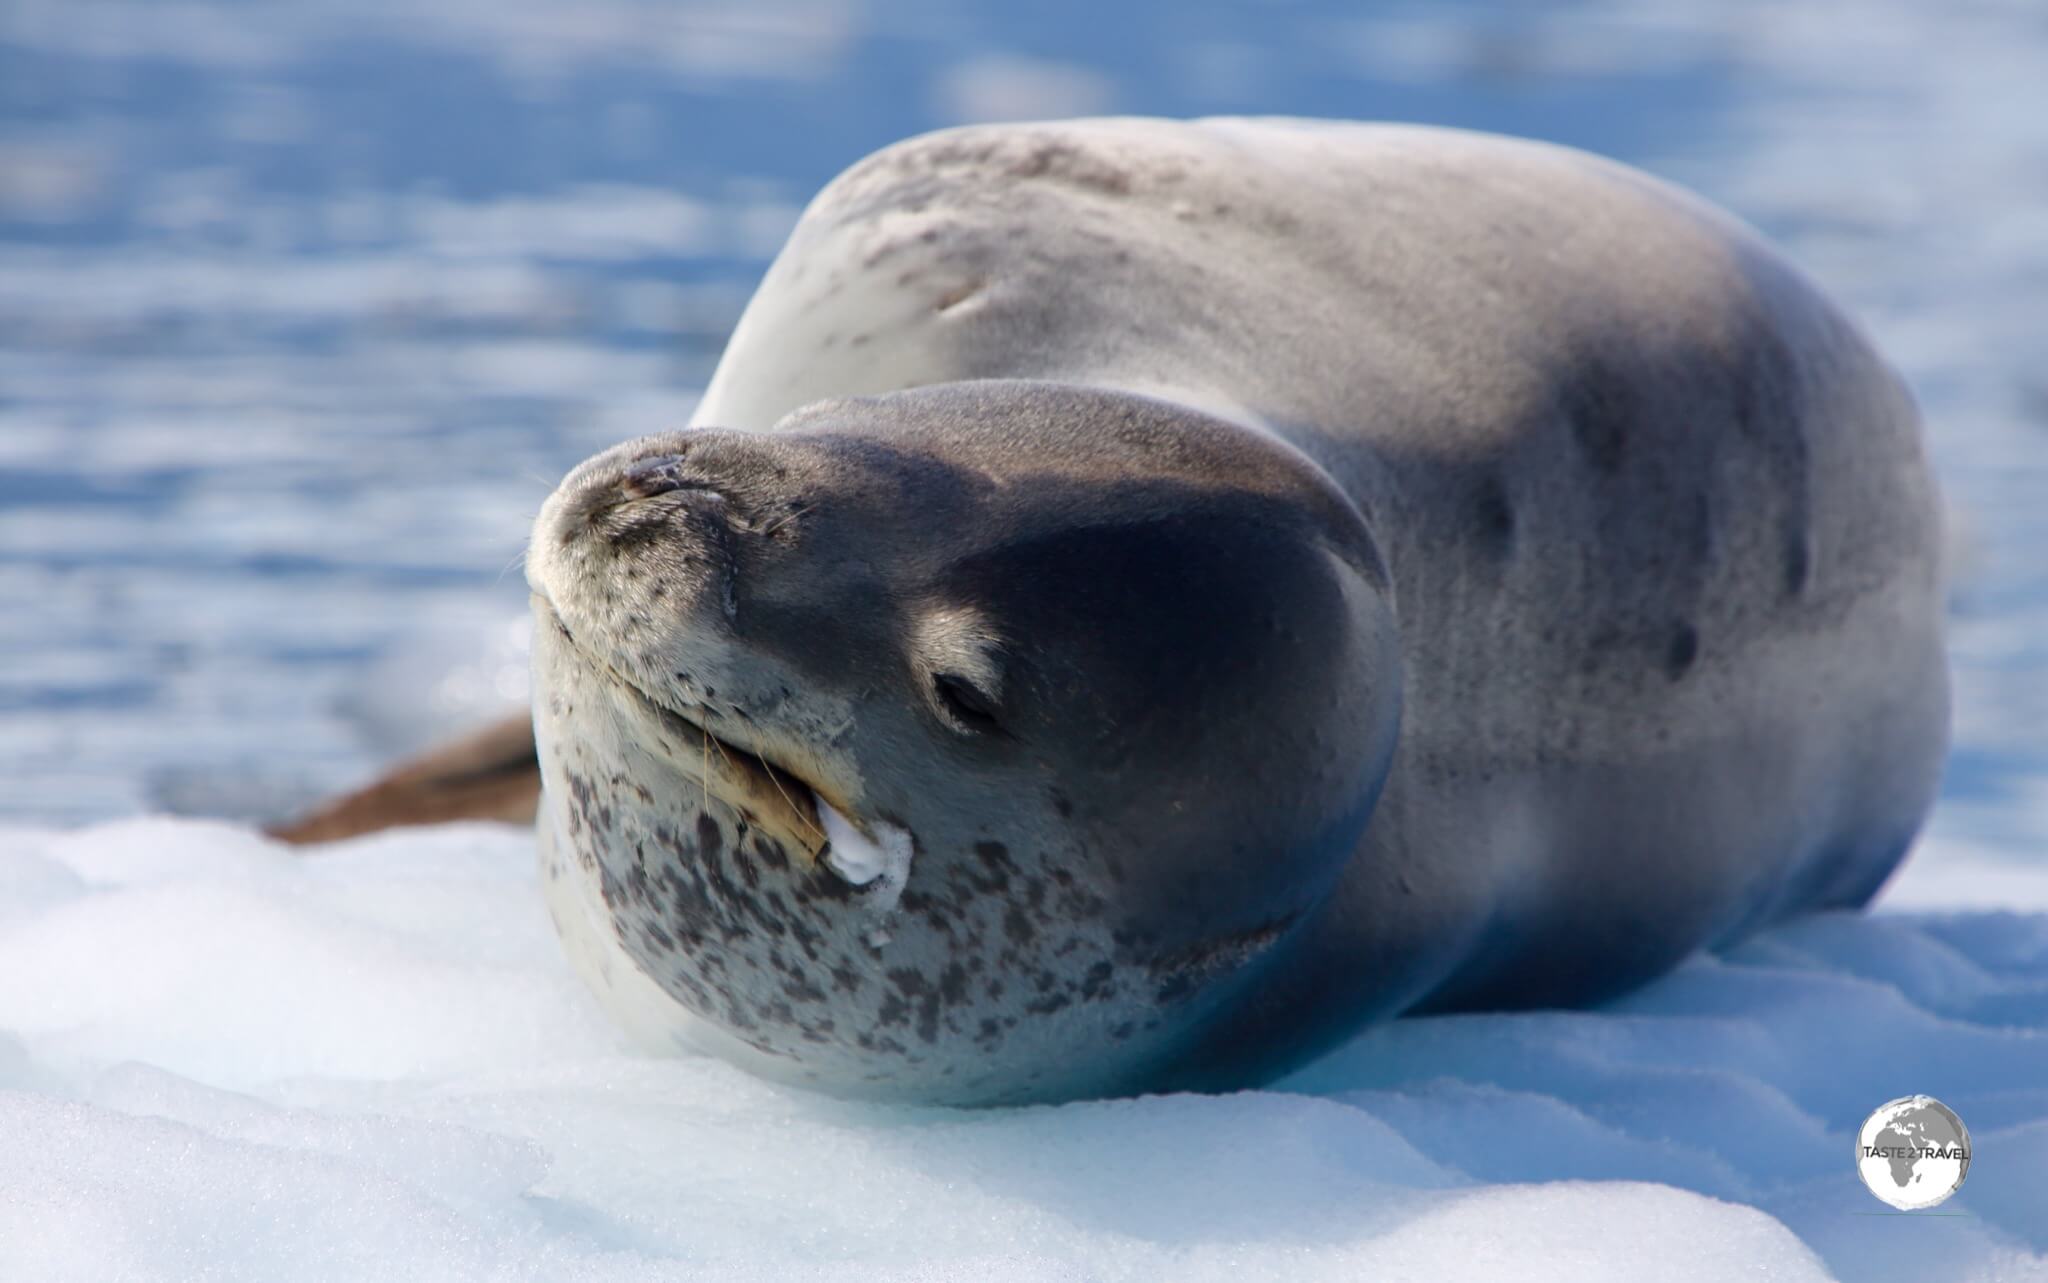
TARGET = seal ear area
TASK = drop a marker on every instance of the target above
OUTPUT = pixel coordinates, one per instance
(957, 659)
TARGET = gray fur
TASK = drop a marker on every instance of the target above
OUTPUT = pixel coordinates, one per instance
(1425, 570)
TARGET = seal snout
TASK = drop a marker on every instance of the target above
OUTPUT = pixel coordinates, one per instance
(646, 468)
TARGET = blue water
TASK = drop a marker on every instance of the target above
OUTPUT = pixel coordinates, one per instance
(303, 308)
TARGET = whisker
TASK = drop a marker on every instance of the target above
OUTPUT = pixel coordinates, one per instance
(785, 795)
(518, 559)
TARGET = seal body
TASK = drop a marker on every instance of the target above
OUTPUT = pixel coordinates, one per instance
(1276, 574)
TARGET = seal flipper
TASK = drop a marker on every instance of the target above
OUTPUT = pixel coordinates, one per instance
(490, 774)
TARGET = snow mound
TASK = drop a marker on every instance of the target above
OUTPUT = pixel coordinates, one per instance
(223, 1059)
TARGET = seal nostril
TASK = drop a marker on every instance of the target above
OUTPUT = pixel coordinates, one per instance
(652, 476)
(657, 475)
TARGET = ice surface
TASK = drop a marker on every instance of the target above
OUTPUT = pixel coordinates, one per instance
(222, 1059)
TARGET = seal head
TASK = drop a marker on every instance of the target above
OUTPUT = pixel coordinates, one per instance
(980, 742)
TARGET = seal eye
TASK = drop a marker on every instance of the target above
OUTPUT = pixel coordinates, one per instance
(966, 702)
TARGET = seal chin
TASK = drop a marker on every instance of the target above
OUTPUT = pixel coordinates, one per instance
(769, 797)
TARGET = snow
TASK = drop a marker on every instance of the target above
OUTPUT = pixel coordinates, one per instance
(223, 1059)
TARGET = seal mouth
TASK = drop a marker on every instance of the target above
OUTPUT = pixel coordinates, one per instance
(766, 796)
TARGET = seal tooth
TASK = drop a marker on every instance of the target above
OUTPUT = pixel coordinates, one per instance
(882, 861)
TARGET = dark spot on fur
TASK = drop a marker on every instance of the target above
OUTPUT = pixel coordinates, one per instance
(912, 984)
(1600, 407)
(770, 853)
(1494, 516)
(636, 534)
(1064, 162)
(1702, 533)
(995, 858)
(1096, 984)
(1798, 565)
(953, 985)
(825, 885)
(1018, 927)
(927, 908)
(586, 812)
(1602, 441)
(1684, 649)
(800, 989)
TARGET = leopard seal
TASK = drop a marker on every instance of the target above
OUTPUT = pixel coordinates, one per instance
(1141, 599)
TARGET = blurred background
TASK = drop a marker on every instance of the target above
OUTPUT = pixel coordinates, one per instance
(305, 307)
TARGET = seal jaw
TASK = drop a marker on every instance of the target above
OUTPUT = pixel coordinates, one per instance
(973, 972)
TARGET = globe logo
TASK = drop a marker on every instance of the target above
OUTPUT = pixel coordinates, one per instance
(1913, 1152)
